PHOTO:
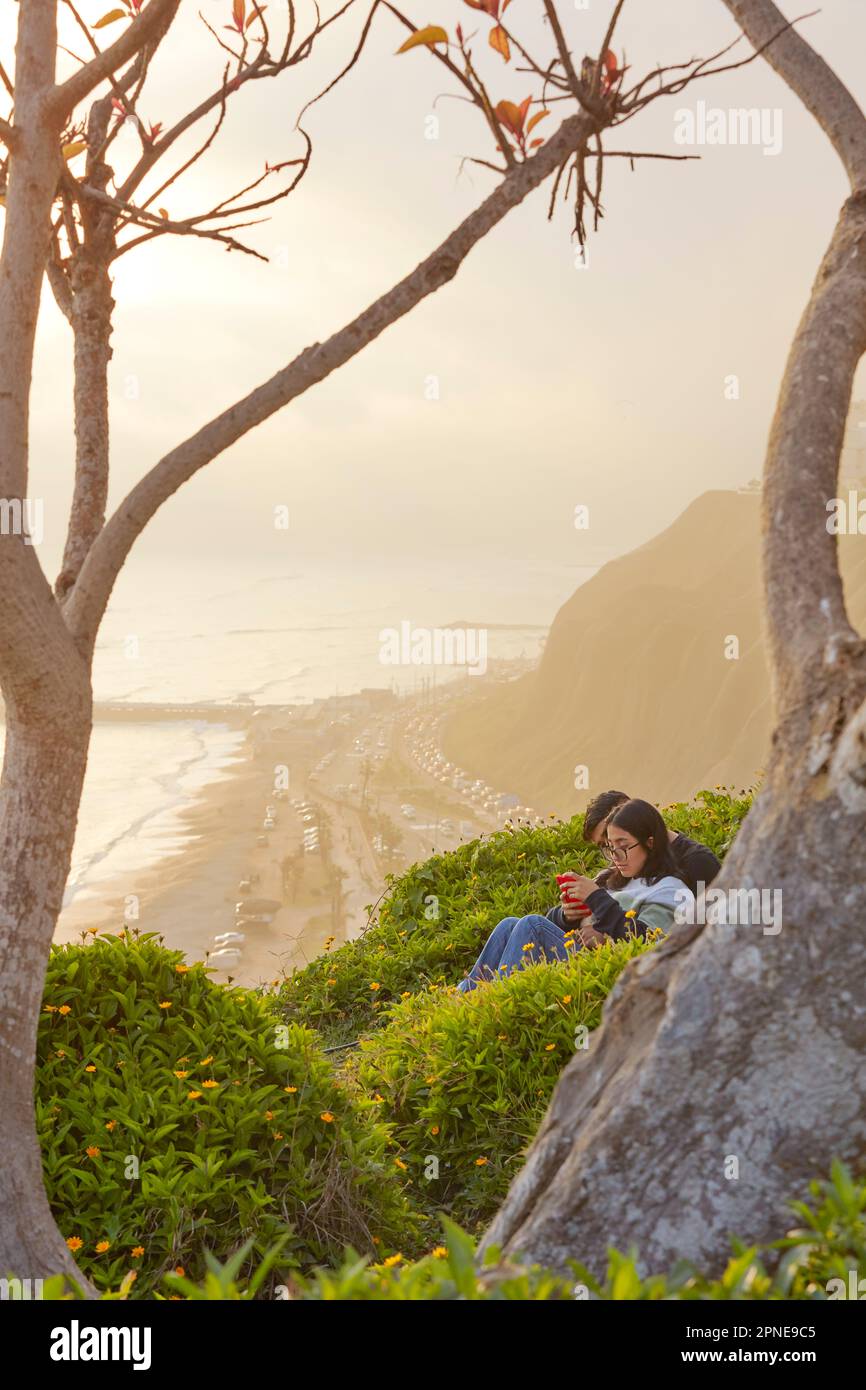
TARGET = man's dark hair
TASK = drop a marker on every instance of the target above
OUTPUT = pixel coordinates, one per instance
(599, 809)
(645, 822)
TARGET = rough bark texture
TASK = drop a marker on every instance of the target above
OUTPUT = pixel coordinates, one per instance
(42, 777)
(729, 1042)
(91, 306)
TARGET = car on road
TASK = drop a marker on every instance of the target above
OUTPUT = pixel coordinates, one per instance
(226, 959)
(230, 938)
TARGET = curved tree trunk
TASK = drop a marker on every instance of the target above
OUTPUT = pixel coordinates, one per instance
(728, 1070)
(43, 772)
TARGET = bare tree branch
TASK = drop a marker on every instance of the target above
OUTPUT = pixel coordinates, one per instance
(149, 27)
(87, 600)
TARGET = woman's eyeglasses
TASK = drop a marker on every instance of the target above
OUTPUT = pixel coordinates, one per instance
(618, 854)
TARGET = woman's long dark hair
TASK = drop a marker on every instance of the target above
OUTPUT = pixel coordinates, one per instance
(644, 822)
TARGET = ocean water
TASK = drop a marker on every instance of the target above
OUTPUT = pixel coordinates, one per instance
(292, 635)
(141, 777)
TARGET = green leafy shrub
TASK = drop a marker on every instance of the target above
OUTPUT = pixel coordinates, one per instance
(831, 1245)
(176, 1114)
(437, 916)
(464, 1079)
(713, 817)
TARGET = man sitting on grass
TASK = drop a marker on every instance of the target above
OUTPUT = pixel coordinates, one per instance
(641, 892)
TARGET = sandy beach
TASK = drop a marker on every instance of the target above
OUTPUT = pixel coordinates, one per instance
(350, 776)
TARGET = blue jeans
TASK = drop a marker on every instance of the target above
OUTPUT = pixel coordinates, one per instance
(503, 950)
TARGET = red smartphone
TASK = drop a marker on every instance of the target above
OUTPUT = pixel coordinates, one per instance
(563, 880)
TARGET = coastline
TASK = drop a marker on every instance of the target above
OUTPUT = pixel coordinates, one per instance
(188, 896)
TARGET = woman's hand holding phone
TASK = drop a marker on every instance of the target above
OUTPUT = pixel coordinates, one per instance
(573, 908)
(575, 888)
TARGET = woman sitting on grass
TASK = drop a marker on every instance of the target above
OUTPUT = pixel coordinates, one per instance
(654, 889)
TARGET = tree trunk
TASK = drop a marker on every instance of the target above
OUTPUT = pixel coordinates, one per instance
(728, 1068)
(724, 1044)
(43, 772)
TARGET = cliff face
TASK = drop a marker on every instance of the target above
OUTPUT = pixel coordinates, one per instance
(635, 683)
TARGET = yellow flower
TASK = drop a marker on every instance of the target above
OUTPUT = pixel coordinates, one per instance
(631, 912)
(375, 1240)
(503, 1037)
(90, 1068)
(400, 1164)
(480, 1162)
(74, 1243)
(181, 1075)
(179, 1269)
(209, 1085)
(291, 1089)
(332, 982)
(269, 1114)
(49, 1009)
(110, 1124)
(566, 999)
(435, 1129)
(392, 1260)
(430, 1079)
(327, 1117)
(60, 1052)
(529, 946)
(137, 1252)
(181, 969)
(166, 1004)
(440, 1253)
(374, 984)
(65, 1009)
(193, 1095)
(102, 1246)
(181, 1060)
(277, 1134)
(407, 994)
(550, 1047)
(93, 1151)
(205, 1061)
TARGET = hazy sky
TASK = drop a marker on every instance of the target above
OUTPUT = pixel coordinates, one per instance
(557, 386)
